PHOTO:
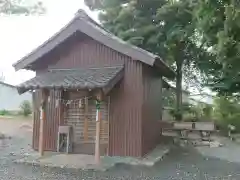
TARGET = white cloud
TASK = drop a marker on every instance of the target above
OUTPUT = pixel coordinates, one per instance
(19, 35)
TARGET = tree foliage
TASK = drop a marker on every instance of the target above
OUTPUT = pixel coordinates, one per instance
(218, 23)
(227, 111)
(26, 108)
(20, 7)
(164, 27)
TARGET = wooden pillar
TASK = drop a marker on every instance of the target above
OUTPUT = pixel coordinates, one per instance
(61, 108)
(98, 126)
(42, 121)
(86, 119)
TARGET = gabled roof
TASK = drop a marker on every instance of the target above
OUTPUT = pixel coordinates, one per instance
(92, 78)
(83, 23)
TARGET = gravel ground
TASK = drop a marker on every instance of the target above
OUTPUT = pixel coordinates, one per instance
(185, 164)
(179, 164)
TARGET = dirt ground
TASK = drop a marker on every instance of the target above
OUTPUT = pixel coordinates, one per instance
(181, 163)
(14, 126)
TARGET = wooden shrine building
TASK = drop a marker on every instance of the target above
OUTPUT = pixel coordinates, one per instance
(83, 64)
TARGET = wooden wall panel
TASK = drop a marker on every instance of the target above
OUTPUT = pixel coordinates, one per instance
(80, 53)
(126, 99)
(36, 119)
(125, 113)
(52, 122)
(152, 109)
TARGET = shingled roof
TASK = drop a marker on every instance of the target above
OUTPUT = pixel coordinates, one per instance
(83, 23)
(91, 78)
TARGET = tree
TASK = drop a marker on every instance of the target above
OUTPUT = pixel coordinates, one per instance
(164, 27)
(218, 24)
(226, 112)
(20, 7)
(26, 108)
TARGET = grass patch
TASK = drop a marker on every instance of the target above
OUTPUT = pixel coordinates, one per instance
(15, 115)
(4, 112)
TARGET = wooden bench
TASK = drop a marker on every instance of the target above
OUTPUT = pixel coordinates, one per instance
(190, 130)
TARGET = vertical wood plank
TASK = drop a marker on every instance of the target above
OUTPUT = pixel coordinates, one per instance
(86, 119)
(43, 122)
(61, 107)
(98, 128)
(108, 123)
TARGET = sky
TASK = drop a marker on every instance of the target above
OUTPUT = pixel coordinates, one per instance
(19, 35)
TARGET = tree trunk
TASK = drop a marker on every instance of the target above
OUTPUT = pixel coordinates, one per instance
(179, 93)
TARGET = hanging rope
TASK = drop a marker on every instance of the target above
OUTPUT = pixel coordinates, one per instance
(74, 102)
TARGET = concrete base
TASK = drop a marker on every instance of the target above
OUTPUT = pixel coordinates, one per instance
(229, 150)
(87, 162)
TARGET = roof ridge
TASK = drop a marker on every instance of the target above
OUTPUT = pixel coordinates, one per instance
(82, 14)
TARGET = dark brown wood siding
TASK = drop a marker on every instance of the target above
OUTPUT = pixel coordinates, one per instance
(81, 53)
(152, 109)
(52, 122)
(36, 118)
(125, 119)
(125, 113)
